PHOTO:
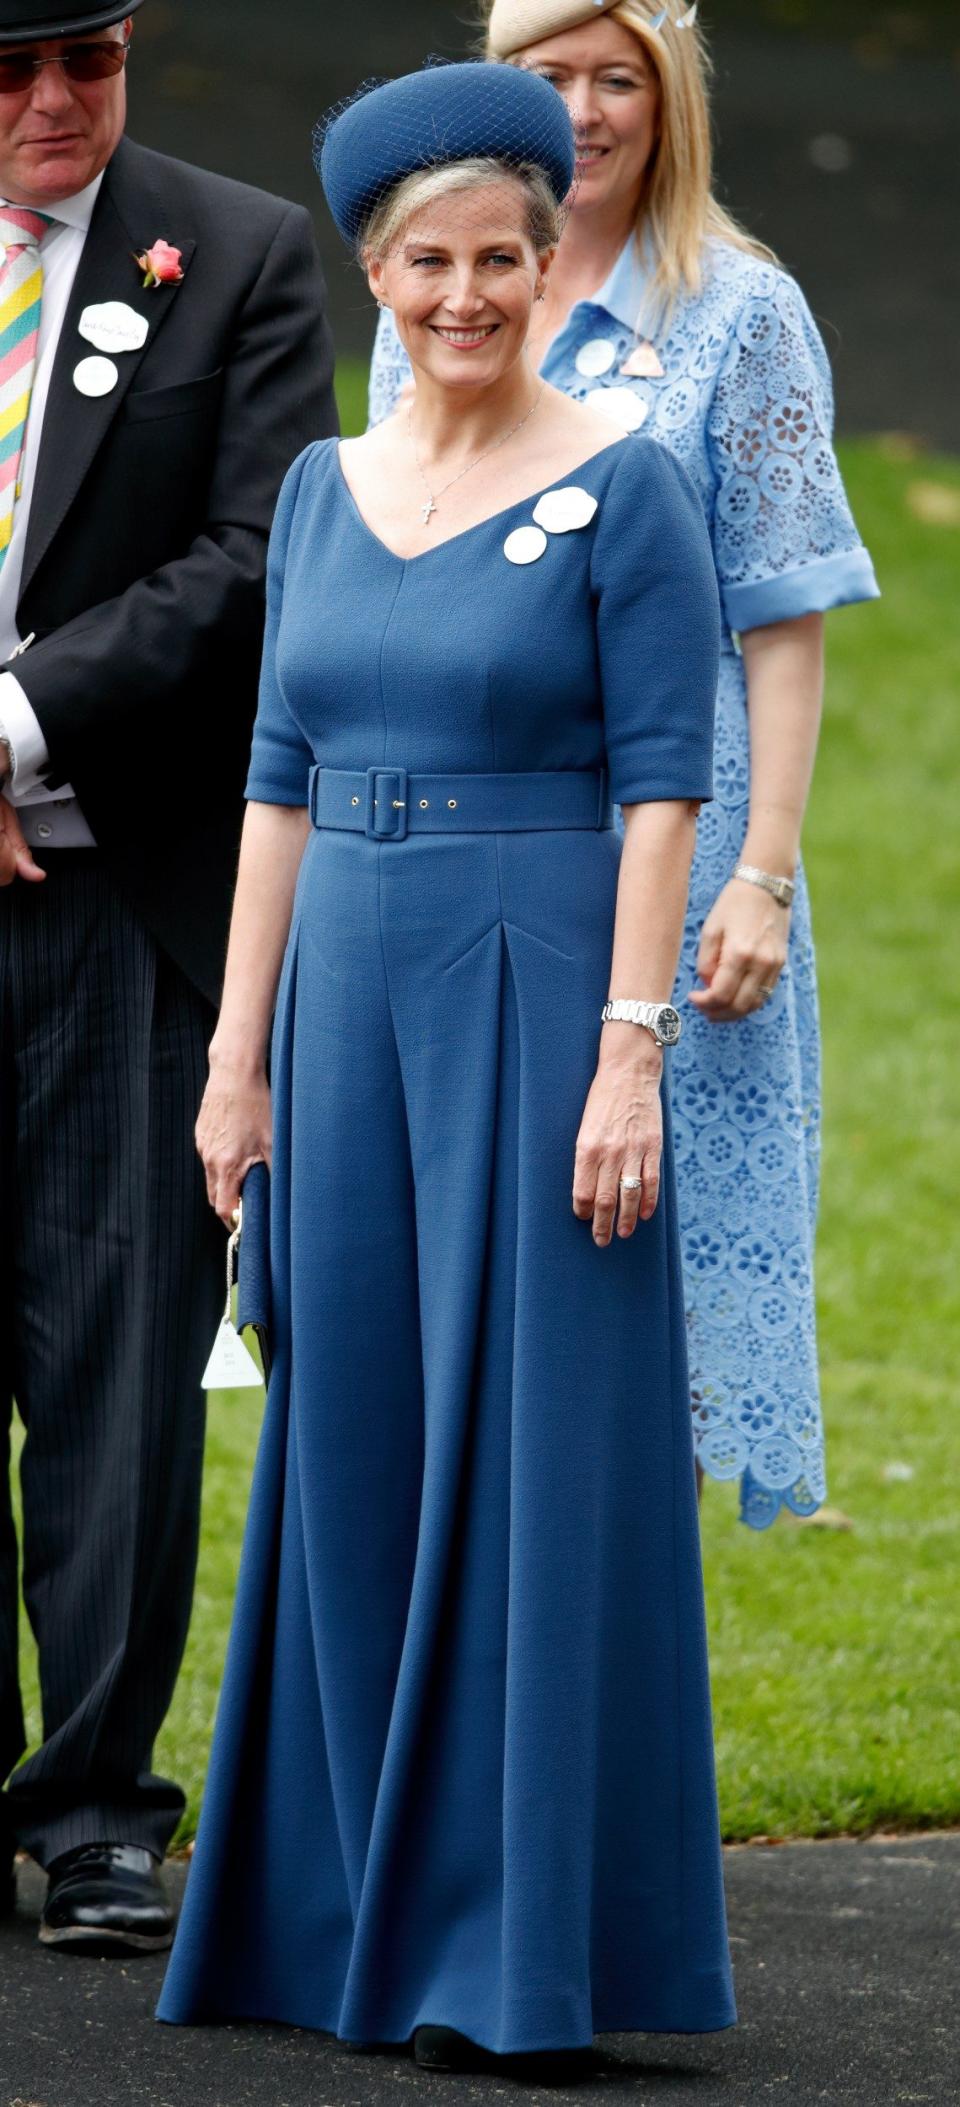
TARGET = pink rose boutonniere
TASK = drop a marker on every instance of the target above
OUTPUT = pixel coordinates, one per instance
(161, 264)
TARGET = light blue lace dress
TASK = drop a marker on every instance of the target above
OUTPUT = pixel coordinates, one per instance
(745, 401)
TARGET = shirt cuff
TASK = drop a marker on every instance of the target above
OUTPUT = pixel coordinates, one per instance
(20, 726)
(808, 589)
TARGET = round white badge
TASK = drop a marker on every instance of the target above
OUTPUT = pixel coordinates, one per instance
(595, 358)
(113, 326)
(561, 511)
(95, 376)
(524, 545)
(621, 405)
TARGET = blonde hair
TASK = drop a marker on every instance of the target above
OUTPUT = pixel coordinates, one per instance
(678, 211)
(413, 192)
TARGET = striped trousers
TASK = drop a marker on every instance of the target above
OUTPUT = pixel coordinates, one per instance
(111, 1285)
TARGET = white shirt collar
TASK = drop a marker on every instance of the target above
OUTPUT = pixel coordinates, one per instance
(76, 211)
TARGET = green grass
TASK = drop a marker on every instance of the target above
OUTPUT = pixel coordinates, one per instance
(834, 1652)
(352, 394)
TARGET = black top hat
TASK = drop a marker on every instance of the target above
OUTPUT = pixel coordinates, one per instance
(24, 21)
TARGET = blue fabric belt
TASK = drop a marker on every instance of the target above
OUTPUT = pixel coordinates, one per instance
(387, 804)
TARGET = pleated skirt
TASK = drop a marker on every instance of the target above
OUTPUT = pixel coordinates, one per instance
(462, 1771)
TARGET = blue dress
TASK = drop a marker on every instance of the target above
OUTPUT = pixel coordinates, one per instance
(462, 1771)
(745, 402)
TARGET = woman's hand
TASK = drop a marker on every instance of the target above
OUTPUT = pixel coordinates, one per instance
(234, 1130)
(743, 950)
(15, 858)
(621, 1134)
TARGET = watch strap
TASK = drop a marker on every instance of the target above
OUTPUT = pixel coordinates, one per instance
(780, 889)
(623, 1010)
(626, 1012)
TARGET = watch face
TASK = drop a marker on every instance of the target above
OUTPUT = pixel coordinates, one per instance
(668, 1023)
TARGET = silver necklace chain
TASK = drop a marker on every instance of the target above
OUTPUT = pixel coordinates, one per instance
(433, 495)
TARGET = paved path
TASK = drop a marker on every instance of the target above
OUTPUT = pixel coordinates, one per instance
(846, 1961)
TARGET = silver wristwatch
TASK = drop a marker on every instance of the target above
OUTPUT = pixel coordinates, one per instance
(780, 889)
(660, 1018)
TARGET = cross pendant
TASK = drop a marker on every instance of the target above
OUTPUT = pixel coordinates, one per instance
(426, 511)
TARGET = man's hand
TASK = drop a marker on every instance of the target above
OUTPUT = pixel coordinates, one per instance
(15, 858)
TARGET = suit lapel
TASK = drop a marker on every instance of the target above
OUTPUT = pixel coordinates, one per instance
(126, 220)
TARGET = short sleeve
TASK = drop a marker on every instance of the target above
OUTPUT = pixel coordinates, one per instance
(658, 629)
(785, 541)
(281, 757)
(390, 370)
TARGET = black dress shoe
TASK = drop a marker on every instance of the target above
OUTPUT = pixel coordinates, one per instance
(442, 2049)
(107, 1899)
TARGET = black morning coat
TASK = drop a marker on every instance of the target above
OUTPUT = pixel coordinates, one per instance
(143, 578)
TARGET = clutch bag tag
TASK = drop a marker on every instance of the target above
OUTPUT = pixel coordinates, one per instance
(231, 1365)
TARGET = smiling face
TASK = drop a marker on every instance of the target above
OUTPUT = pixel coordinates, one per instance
(612, 92)
(57, 134)
(461, 278)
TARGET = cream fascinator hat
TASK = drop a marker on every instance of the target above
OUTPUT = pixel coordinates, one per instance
(516, 23)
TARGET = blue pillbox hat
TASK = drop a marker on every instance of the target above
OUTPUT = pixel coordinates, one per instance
(432, 118)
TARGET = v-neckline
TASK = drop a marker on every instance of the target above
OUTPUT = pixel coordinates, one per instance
(532, 498)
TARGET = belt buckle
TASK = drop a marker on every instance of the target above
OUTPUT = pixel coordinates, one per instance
(385, 813)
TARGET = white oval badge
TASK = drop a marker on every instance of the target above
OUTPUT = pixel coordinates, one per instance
(113, 326)
(95, 376)
(561, 511)
(524, 545)
(595, 358)
(621, 405)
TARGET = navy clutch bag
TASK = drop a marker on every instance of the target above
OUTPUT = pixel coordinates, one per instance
(253, 1269)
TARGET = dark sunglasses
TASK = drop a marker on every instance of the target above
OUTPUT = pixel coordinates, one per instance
(84, 62)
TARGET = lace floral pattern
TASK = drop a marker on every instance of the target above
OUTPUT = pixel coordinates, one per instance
(745, 402)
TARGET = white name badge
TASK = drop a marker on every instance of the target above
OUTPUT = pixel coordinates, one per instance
(113, 326)
(596, 357)
(230, 1366)
(621, 405)
(525, 545)
(95, 376)
(562, 511)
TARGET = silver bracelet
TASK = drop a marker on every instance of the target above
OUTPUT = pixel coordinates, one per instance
(780, 889)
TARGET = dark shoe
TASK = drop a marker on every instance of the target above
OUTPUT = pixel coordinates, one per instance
(439, 2048)
(8, 1890)
(107, 1899)
(442, 2049)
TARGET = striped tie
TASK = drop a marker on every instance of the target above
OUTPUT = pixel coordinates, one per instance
(21, 289)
